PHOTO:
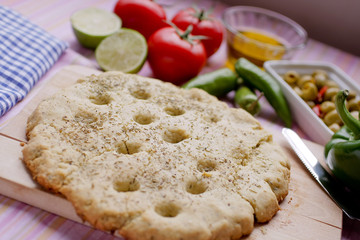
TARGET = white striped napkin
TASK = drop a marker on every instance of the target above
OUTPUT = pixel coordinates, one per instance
(27, 52)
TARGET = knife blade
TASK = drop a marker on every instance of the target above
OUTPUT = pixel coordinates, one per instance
(347, 200)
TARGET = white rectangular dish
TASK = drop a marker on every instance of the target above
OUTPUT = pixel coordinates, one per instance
(304, 116)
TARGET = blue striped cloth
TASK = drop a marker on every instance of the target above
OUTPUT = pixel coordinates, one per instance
(27, 52)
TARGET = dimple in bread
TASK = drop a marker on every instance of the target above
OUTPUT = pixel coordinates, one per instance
(149, 160)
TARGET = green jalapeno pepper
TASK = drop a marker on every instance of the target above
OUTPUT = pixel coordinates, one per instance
(217, 83)
(247, 99)
(342, 152)
(259, 79)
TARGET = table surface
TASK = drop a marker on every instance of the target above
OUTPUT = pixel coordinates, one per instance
(22, 221)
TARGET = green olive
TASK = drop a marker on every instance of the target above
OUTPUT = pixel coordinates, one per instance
(320, 72)
(353, 105)
(333, 99)
(334, 127)
(304, 79)
(332, 117)
(297, 90)
(351, 95)
(330, 92)
(291, 77)
(310, 104)
(331, 84)
(327, 106)
(355, 114)
(320, 78)
(309, 91)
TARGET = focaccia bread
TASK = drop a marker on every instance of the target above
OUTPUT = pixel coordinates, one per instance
(149, 160)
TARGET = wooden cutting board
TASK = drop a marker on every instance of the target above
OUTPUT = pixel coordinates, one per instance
(306, 213)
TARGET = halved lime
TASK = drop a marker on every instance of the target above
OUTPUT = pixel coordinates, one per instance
(92, 25)
(125, 50)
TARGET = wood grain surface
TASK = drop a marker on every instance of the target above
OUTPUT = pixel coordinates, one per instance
(306, 213)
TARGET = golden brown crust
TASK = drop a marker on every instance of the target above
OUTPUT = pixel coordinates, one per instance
(153, 161)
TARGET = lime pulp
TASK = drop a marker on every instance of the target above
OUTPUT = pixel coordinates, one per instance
(92, 25)
(125, 50)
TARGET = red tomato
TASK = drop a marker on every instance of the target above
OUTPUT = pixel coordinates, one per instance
(204, 24)
(145, 16)
(175, 58)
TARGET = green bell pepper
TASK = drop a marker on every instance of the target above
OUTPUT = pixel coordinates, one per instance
(342, 152)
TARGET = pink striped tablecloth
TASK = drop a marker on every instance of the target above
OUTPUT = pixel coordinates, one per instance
(21, 221)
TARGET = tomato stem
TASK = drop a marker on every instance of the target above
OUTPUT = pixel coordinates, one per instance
(186, 33)
(202, 14)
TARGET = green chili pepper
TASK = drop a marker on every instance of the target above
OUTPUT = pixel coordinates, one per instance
(247, 99)
(342, 152)
(259, 79)
(217, 83)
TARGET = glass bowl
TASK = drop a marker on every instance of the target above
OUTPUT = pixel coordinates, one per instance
(260, 34)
